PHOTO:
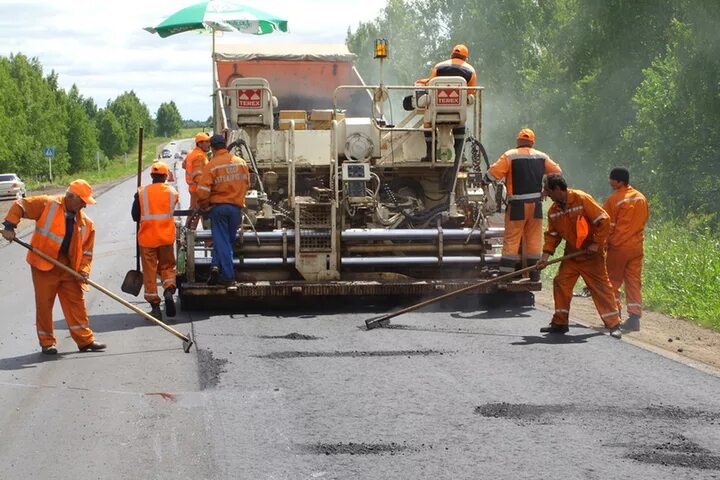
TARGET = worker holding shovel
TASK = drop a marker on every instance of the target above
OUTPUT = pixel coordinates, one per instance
(62, 232)
(153, 207)
(578, 219)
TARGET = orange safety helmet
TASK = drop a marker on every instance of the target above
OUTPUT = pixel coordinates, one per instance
(82, 189)
(159, 168)
(202, 137)
(526, 134)
(460, 51)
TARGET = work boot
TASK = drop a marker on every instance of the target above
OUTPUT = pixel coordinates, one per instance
(169, 302)
(554, 328)
(94, 346)
(214, 276)
(615, 332)
(51, 350)
(155, 311)
(632, 324)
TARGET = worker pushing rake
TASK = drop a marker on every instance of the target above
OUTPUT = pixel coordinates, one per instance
(576, 218)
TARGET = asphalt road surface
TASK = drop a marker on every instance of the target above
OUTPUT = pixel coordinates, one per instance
(459, 392)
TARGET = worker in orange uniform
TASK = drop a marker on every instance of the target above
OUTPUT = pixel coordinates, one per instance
(64, 232)
(576, 218)
(628, 210)
(222, 188)
(523, 169)
(153, 207)
(456, 66)
(193, 164)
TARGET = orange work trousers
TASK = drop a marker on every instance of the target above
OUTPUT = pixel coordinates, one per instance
(529, 227)
(157, 259)
(593, 270)
(624, 266)
(59, 283)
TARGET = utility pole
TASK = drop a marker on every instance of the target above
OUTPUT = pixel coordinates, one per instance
(97, 159)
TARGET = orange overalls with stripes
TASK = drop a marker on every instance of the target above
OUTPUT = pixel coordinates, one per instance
(194, 164)
(156, 237)
(628, 210)
(523, 169)
(562, 222)
(50, 281)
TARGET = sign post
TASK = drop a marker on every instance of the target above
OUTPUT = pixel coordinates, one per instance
(49, 152)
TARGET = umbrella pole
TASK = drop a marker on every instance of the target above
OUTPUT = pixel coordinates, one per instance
(214, 80)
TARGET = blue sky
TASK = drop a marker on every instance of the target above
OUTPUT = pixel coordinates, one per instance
(100, 45)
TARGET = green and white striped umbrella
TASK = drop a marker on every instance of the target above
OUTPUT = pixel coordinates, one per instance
(218, 15)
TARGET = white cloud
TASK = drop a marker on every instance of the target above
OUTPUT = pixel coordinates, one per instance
(101, 47)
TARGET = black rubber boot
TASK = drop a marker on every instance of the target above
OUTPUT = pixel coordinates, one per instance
(553, 328)
(155, 311)
(632, 324)
(170, 310)
(428, 148)
(214, 276)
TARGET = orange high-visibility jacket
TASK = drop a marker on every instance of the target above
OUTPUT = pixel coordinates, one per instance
(628, 210)
(562, 223)
(523, 169)
(453, 67)
(157, 226)
(193, 165)
(225, 179)
(49, 215)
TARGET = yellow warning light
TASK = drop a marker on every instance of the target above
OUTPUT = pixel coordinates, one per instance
(381, 48)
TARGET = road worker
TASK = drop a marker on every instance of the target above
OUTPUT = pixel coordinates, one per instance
(153, 207)
(456, 66)
(628, 210)
(222, 188)
(576, 218)
(63, 232)
(193, 164)
(523, 169)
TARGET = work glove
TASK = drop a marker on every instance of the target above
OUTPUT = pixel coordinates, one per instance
(8, 235)
(542, 263)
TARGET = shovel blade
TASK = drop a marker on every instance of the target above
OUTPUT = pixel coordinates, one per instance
(132, 283)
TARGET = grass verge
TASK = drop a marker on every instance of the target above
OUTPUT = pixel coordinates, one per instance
(681, 273)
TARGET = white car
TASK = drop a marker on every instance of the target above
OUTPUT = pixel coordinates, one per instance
(11, 186)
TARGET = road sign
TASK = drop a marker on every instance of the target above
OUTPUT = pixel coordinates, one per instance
(49, 151)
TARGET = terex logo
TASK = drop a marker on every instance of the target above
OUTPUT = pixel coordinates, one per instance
(448, 96)
(250, 98)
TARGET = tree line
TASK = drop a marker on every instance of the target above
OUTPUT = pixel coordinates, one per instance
(603, 83)
(36, 113)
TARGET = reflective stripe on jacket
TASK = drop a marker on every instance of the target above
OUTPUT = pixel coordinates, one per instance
(523, 170)
(193, 165)
(225, 179)
(49, 215)
(628, 210)
(562, 223)
(157, 225)
(455, 67)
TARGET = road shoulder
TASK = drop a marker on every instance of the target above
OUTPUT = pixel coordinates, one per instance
(671, 337)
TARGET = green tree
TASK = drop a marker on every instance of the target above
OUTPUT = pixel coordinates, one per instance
(82, 135)
(168, 120)
(131, 114)
(112, 138)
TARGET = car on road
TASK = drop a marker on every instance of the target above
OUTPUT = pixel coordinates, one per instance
(11, 186)
(166, 153)
(183, 152)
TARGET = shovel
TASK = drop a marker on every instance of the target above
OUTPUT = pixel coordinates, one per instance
(384, 320)
(133, 281)
(187, 342)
